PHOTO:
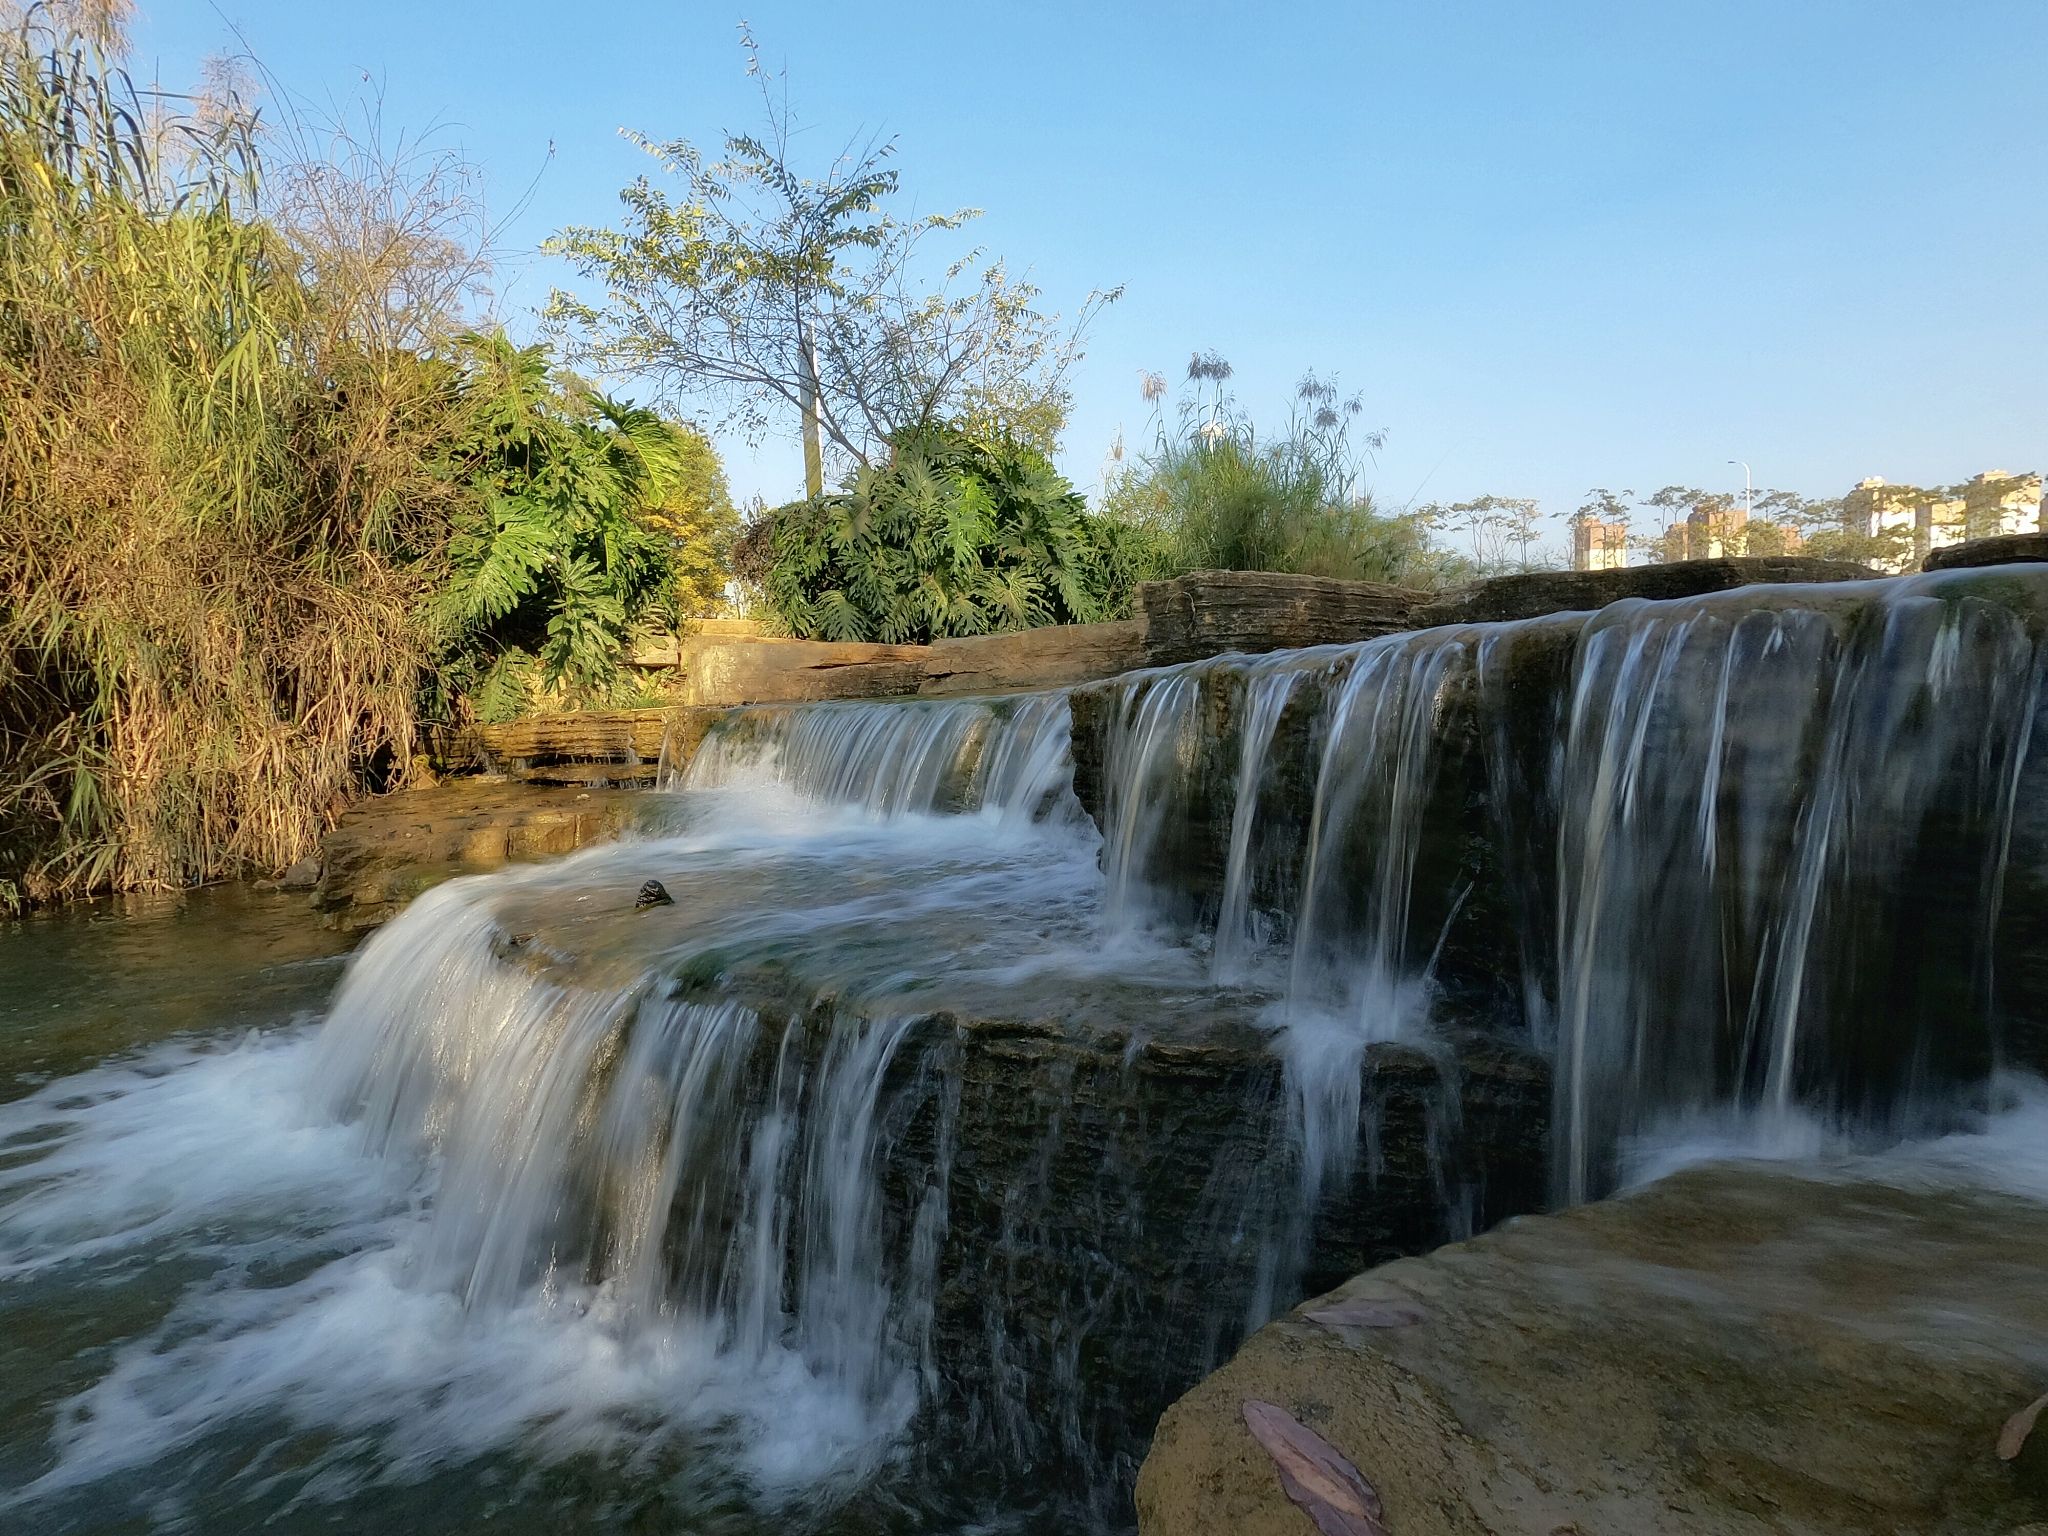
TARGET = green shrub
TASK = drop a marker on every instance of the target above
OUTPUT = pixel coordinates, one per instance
(569, 538)
(956, 534)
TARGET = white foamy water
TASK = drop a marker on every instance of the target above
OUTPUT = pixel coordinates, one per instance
(516, 1197)
(320, 1314)
(2001, 1144)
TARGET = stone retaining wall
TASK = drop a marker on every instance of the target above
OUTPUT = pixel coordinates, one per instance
(730, 662)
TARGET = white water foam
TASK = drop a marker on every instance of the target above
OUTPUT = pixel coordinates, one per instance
(217, 1155)
(2002, 1145)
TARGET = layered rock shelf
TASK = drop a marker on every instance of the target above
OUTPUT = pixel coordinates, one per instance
(386, 851)
(1205, 613)
(1731, 1352)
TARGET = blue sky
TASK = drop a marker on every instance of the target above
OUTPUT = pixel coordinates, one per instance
(1556, 245)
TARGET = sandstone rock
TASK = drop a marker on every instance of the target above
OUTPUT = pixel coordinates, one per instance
(1050, 657)
(388, 849)
(1534, 593)
(590, 748)
(1733, 1352)
(1208, 612)
(742, 671)
(2007, 549)
(663, 652)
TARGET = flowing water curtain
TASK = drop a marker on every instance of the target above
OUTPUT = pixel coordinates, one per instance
(1153, 765)
(1353, 947)
(1269, 686)
(896, 758)
(1751, 802)
(684, 1156)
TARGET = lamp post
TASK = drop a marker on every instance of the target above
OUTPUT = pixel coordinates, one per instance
(1746, 496)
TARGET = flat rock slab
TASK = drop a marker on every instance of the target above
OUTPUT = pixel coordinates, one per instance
(1732, 1352)
(742, 671)
(1531, 594)
(388, 849)
(1053, 656)
(1205, 613)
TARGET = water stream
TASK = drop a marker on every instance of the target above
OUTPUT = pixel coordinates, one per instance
(996, 1065)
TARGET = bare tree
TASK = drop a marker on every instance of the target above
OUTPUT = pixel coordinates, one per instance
(785, 298)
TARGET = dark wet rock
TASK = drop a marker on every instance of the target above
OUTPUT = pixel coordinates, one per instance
(1732, 1352)
(2007, 549)
(1104, 1194)
(653, 894)
(1532, 594)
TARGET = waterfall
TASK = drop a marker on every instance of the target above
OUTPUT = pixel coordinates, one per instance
(1750, 801)
(684, 1157)
(1740, 854)
(1007, 756)
(1268, 687)
(999, 1062)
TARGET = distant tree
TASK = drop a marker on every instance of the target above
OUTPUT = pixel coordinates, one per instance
(794, 299)
(1829, 537)
(1493, 526)
(693, 512)
(1603, 506)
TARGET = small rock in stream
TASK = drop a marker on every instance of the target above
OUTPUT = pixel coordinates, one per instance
(653, 894)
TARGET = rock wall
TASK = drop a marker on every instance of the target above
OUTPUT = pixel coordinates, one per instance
(1206, 613)
(1532, 594)
(1099, 1203)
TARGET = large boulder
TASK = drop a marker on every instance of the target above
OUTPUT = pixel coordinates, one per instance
(388, 849)
(1053, 656)
(2007, 549)
(1207, 612)
(598, 748)
(1733, 1352)
(743, 671)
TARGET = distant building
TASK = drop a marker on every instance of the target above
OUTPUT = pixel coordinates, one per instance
(1996, 502)
(1913, 520)
(1708, 533)
(1598, 546)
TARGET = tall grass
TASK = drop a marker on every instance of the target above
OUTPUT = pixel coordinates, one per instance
(1212, 496)
(218, 511)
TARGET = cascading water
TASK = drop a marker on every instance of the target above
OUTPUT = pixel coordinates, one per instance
(889, 759)
(999, 1062)
(1750, 800)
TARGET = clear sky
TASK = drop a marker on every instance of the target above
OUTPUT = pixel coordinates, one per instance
(1556, 244)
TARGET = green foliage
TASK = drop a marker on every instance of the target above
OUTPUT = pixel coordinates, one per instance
(216, 520)
(256, 499)
(957, 534)
(1211, 496)
(569, 536)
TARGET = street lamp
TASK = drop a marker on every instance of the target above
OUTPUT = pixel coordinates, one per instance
(1746, 497)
